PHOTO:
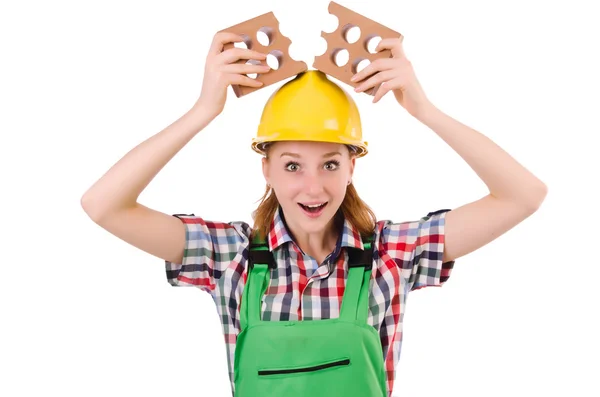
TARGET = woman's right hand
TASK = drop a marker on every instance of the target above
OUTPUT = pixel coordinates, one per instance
(221, 71)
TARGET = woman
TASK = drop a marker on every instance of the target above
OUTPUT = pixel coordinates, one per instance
(316, 251)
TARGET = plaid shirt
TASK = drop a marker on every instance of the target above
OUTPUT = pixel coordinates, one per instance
(407, 257)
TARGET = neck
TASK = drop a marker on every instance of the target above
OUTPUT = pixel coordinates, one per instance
(318, 244)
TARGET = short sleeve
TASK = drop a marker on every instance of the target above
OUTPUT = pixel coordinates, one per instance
(418, 248)
(210, 247)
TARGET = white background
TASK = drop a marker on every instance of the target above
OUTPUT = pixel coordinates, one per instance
(82, 83)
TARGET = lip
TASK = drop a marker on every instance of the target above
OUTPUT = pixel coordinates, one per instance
(313, 214)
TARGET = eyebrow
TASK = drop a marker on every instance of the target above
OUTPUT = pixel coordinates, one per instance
(296, 155)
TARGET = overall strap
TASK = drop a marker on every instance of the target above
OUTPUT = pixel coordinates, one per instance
(356, 294)
(260, 261)
(355, 302)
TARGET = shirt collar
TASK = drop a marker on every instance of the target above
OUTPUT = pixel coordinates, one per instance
(279, 235)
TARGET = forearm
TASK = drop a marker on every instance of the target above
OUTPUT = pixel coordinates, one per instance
(122, 184)
(503, 175)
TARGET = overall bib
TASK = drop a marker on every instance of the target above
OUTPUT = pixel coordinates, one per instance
(330, 357)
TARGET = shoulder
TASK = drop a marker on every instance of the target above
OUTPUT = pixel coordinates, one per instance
(219, 232)
(411, 231)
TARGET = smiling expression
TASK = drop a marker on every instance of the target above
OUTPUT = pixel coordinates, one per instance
(309, 180)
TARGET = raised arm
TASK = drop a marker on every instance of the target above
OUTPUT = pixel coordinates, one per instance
(111, 202)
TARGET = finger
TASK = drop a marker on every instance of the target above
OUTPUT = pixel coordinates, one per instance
(394, 44)
(238, 79)
(381, 91)
(235, 54)
(222, 38)
(245, 68)
(375, 80)
(375, 66)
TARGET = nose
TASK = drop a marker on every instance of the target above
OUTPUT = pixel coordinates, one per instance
(314, 184)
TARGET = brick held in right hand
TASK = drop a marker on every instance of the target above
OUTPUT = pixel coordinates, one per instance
(277, 47)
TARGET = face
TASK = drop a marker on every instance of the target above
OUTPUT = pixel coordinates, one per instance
(310, 181)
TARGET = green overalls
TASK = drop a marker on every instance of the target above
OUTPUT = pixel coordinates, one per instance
(330, 357)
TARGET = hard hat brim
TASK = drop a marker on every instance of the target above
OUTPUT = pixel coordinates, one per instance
(360, 147)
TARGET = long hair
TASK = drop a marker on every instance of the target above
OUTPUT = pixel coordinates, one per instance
(353, 208)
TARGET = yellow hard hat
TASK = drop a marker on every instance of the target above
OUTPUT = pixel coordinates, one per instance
(310, 107)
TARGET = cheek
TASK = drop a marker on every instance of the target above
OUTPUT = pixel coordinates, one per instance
(336, 186)
(340, 190)
(287, 186)
(339, 180)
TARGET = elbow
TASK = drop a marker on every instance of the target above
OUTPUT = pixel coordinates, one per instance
(537, 196)
(88, 206)
(93, 208)
(99, 209)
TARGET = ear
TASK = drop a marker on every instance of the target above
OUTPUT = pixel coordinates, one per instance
(265, 169)
(352, 163)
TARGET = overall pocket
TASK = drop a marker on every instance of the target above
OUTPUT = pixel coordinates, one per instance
(312, 368)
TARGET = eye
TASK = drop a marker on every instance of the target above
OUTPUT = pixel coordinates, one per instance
(291, 166)
(332, 165)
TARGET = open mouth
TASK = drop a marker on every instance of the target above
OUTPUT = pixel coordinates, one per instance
(313, 208)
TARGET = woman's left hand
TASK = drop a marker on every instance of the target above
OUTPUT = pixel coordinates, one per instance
(396, 74)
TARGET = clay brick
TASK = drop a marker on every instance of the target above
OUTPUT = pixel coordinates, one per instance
(278, 47)
(358, 51)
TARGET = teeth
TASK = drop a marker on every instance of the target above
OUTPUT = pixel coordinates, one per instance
(314, 206)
